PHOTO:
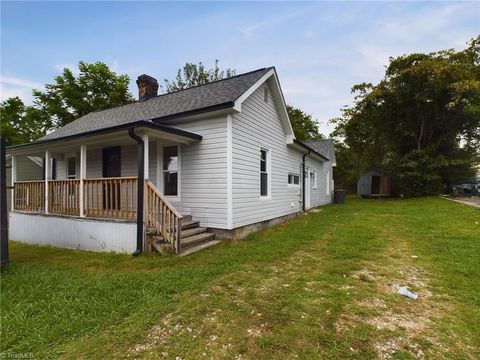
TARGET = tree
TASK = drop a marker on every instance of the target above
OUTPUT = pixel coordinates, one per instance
(20, 123)
(421, 123)
(70, 97)
(193, 75)
(304, 126)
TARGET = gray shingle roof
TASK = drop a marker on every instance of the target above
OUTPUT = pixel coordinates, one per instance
(198, 98)
(324, 147)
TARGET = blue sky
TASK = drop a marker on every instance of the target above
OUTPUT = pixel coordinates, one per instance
(320, 49)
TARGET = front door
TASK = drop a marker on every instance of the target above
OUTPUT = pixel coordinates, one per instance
(111, 167)
(307, 188)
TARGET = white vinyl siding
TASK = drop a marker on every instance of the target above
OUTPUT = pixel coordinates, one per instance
(203, 179)
(319, 195)
(258, 126)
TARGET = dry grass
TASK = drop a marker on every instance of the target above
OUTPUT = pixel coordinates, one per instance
(322, 286)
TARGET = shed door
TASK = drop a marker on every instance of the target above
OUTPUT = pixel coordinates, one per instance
(375, 185)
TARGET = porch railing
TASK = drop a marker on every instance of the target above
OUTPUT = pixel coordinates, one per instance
(104, 197)
(64, 197)
(162, 216)
(29, 195)
(111, 197)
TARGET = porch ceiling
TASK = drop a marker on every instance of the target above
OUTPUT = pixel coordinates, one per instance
(108, 137)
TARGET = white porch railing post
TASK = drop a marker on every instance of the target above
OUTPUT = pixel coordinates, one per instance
(14, 180)
(83, 174)
(146, 156)
(48, 164)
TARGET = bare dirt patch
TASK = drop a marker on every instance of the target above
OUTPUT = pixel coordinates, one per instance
(403, 324)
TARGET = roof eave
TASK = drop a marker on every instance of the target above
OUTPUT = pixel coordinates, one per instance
(136, 124)
(308, 148)
(206, 109)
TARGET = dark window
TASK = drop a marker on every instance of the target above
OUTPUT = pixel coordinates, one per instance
(293, 179)
(111, 162)
(71, 168)
(263, 173)
(170, 170)
(54, 169)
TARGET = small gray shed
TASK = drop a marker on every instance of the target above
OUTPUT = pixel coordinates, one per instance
(374, 184)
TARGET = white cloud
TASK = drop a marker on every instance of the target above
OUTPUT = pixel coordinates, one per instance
(12, 86)
(271, 21)
(71, 66)
(10, 80)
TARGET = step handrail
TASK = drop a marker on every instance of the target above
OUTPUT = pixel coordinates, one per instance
(161, 215)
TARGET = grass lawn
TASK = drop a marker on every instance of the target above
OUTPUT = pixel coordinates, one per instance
(321, 286)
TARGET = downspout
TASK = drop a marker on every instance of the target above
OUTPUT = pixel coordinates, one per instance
(304, 156)
(140, 189)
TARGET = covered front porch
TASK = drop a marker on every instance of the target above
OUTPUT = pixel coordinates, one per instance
(103, 176)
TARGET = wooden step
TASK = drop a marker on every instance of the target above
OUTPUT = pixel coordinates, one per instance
(193, 231)
(199, 247)
(186, 218)
(190, 224)
(150, 230)
(196, 239)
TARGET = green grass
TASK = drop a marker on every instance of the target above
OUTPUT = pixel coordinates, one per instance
(320, 286)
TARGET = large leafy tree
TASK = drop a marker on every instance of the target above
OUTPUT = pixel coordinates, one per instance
(95, 88)
(192, 75)
(20, 123)
(421, 123)
(304, 126)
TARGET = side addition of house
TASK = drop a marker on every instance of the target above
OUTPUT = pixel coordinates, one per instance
(178, 170)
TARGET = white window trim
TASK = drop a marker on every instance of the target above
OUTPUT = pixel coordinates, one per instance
(327, 188)
(66, 157)
(269, 173)
(314, 172)
(160, 147)
(293, 185)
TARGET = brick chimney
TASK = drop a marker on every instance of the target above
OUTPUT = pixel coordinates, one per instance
(147, 87)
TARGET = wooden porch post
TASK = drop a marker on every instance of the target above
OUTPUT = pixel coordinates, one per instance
(14, 180)
(83, 174)
(48, 172)
(145, 156)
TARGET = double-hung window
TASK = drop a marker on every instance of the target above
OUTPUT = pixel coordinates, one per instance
(170, 170)
(264, 173)
(71, 168)
(314, 178)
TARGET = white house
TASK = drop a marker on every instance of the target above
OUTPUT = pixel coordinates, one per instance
(217, 160)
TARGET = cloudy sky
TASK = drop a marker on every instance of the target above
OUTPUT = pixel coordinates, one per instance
(320, 49)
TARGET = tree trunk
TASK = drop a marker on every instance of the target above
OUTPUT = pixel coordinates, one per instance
(420, 136)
